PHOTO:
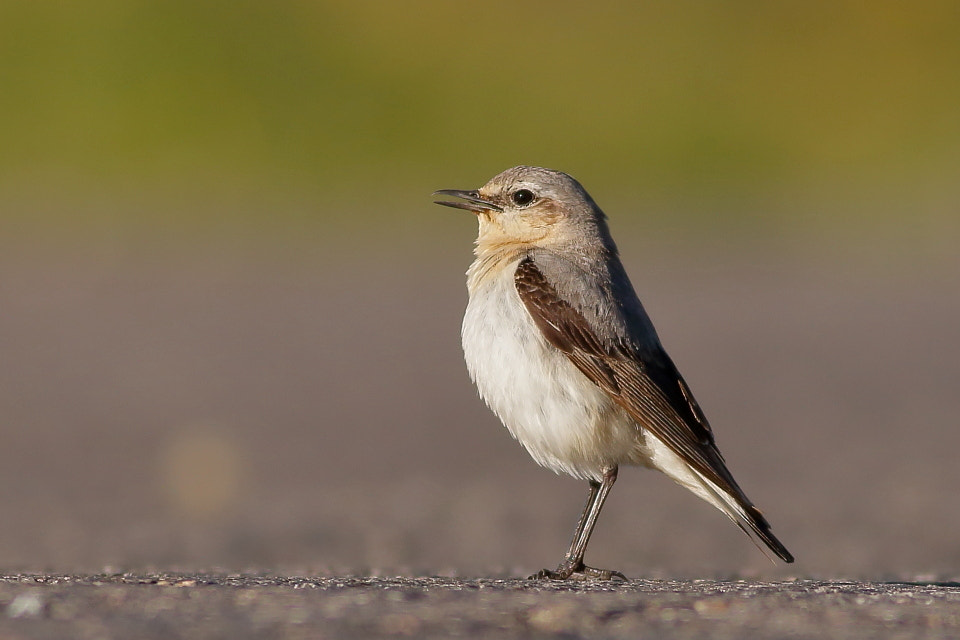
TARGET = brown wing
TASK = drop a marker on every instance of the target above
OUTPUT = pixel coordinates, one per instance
(646, 384)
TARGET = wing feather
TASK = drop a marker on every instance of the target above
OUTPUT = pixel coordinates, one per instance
(645, 383)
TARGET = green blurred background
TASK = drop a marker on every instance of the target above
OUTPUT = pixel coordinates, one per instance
(271, 115)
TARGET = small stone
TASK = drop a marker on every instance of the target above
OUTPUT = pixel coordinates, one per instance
(26, 605)
(553, 618)
(711, 606)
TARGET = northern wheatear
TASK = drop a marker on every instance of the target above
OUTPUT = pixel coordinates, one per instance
(563, 352)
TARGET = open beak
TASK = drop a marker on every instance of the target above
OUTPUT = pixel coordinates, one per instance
(474, 202)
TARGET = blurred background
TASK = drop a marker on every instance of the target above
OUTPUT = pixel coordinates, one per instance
(229, 312)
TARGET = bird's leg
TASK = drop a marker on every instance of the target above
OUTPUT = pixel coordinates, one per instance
(572, 566)
(582, 523)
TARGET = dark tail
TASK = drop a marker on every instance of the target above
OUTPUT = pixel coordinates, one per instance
(758, 526)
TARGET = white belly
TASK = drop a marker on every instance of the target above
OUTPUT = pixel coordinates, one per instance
(565, 421)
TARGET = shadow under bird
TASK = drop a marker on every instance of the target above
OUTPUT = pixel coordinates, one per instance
(563, 352)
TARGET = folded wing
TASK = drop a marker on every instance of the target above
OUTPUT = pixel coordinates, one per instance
(648, 386)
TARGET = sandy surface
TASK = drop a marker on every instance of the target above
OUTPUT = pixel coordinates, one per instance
(307, 412)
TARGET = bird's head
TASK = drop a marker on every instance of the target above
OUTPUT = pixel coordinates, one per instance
(530, 207)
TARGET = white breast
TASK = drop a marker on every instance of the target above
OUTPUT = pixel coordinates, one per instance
(567, 423)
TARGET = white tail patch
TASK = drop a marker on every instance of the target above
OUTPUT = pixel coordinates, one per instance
(663, 458)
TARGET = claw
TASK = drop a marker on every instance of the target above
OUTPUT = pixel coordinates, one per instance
(545, 574)
(601, 574)
(582, 573)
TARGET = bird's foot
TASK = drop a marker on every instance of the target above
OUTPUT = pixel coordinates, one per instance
(571, 571)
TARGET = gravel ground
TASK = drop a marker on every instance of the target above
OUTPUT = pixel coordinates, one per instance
(246, 606)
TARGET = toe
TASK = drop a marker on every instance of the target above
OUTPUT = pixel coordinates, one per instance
(602, 574)
(543, 574)
(582, 573)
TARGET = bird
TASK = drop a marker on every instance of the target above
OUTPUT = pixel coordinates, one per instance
(562, 351)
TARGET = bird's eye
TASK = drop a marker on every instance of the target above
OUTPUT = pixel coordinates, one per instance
(522, 197)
